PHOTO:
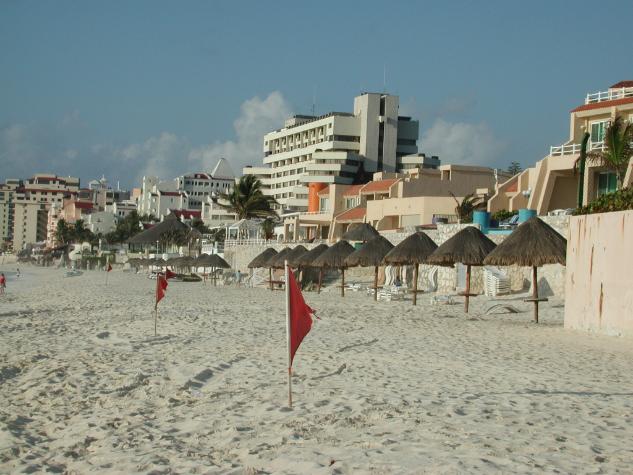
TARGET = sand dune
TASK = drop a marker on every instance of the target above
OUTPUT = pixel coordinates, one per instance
(379, 388)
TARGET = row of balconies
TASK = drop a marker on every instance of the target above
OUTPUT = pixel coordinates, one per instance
(609, 95)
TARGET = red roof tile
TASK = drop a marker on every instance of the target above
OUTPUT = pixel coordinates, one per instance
(353, 190)
(379, 186)
(324, 191)
(600, 105)
(353, 214)
(186, 213)
(170, 193)
(83, 205)
(621, 84)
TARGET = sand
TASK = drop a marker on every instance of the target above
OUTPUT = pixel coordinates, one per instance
(85, 387)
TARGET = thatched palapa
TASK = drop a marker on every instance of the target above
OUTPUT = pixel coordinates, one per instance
(469, 247)
(277, 261)
(334, 258)
(414, 251)
(371, 255)
(293, 256)
(360, 232)
(261, 259)
(170, 226)
(309, 257)
(533, 244)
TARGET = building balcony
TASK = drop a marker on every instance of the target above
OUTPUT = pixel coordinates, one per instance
(609, 95)
(574, 148)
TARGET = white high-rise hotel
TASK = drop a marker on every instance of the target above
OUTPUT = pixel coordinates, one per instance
(311, 152)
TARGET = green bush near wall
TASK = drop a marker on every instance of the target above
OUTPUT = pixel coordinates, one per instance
(620, 200)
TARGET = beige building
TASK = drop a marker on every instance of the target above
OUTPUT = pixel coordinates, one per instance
(310, 153)
(393, 201)
(7, 194)
(552, 184)
(31, 205)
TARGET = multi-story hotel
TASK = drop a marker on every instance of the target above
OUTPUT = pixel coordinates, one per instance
(186, 192)
(310, 153)
(7, 193)
(553, 183)
(32, 202)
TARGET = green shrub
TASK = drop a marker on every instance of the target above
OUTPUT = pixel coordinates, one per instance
(620, 200)
(502, 214)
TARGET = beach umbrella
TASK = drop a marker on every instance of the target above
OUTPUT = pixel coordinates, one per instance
(293, 256)
(308, 258)
(469, 247)
(334, 258)
(414, 250)
(216, 262)
(261, 260)
(370, 255)
(360, 232)
(532, 244)
(172, 261)
(277, 261)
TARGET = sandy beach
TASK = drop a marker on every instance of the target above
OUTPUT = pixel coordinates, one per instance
(379, 387)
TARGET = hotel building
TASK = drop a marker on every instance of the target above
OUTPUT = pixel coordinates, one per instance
(552, 183)
(310, 153)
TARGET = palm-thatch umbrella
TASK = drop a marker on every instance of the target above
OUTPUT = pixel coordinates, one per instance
(533, 244)
(261, 260)
(469, 247)
(360, 232)
(277, 262)
(293, 256)
(308, 258)
(414, 250)
(370, 255)
(334, 258)
(172, 261)
(216, 262)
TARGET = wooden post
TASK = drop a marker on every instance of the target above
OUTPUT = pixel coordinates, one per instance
(156, 306)
(270, 278)
(343, 282)
(288, 335)
(214, 278)
(320, 280)
(376, 284)
(535, 293)
(467, 289)
(415, 284)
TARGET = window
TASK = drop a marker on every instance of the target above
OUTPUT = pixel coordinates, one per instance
(597, 131)
(607, 183)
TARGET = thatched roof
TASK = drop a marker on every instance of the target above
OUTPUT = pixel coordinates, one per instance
(277, 261)
(308, 258)
(334, 257)
(534, 243)
(262, 258)
(360, 232)
(371, 254)
(469, 247)
(204, 260)
(296, 254)
(217, 262)
(413, 250)
(171, 224)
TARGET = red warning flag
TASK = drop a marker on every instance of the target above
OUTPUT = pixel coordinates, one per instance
(161, 287)
(109, 268)
(169, 274)
(300, 315)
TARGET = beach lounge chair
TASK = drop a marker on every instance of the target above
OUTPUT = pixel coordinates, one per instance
(496, 282)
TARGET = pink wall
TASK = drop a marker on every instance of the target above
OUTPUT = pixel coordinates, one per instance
(599, 281)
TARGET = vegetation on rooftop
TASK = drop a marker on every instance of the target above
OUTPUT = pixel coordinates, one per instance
(620, 200)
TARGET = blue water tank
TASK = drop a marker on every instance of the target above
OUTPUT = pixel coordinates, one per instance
(525, 214)
(482, 218)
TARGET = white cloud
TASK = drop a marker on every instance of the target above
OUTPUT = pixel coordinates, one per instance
(60, 148)
(462, 143)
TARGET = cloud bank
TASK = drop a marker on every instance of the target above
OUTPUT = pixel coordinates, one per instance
(61, 148)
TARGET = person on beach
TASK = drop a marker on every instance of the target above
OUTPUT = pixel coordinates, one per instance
(3, 283)
(238, 277)
(17, 273)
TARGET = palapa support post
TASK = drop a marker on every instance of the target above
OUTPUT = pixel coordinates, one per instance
(270, 278)
(320, 280)
(415, 284)
(376, 284)
(467, 293)
(106, 267)
(535, 293)
(343, 282)
(215, 284)
(288, 335)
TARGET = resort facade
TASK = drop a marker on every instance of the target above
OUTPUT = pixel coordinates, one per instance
(312, 152)
(552, 184)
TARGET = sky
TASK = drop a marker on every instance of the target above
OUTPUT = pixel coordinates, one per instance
(126, 89)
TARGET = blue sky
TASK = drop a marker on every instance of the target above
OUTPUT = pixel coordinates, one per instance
(127, 88)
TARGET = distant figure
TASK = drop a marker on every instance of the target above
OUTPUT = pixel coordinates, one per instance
(238, 277)
(3, 283)
(397, 282)
(17, 273)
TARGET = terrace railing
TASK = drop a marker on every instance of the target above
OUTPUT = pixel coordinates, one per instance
(609, 95)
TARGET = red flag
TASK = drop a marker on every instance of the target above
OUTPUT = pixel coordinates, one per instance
(169, 274)
(161, 287)
(300, 316)
(109, 268)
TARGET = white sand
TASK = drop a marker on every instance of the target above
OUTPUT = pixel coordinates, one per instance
(379, 388)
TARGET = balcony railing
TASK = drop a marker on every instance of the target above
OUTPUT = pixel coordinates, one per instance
(608, 95)
(573, 148)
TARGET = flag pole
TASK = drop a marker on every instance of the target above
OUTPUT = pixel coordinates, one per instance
(288, 333)
(156, 304)
(107, 264)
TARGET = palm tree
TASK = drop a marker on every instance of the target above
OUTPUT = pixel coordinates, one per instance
(618, 140)
(247, 200)
(464, 210)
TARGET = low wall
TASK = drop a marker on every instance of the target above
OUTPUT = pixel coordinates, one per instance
(599, 283)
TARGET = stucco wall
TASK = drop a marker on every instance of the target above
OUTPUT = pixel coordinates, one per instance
(599, 283)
